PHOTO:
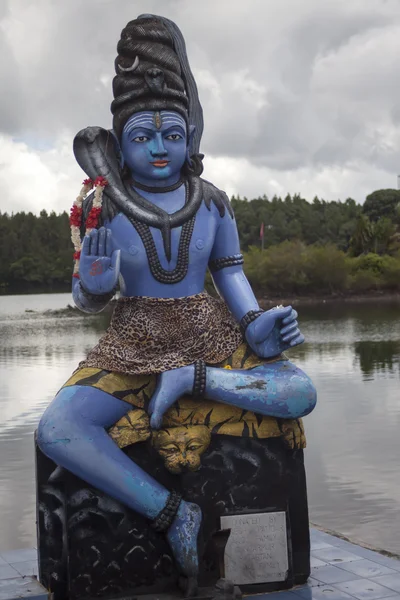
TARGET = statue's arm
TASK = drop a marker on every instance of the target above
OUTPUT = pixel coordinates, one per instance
(227, 270)
(268, 333)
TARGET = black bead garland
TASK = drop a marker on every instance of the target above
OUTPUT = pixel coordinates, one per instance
(182, 264)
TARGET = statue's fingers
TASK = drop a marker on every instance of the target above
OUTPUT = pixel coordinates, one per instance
(102, 241)
(86, 245)
(297, 341)
(289, 328)
(282, 313)
(109, 248)
(292, 335)
(264, 323)
(292, 317)
(94, 242)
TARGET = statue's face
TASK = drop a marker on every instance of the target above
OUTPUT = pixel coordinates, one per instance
(181, 448)
(154, 146)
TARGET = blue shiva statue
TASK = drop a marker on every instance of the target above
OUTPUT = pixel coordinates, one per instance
(170, 344)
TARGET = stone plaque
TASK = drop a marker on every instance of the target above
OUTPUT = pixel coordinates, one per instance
(257, 550)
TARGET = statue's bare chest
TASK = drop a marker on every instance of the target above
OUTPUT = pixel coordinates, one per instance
(142, 247)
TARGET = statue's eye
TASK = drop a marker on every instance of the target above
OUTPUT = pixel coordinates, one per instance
(194, 447)
(174, 137)
(140, 139)
(170, 450)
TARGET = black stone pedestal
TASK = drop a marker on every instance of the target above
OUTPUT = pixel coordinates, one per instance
(92, 546)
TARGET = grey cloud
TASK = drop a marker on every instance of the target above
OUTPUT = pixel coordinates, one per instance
(296, 85)
(63, 90)
(11, 103)
(302, 124)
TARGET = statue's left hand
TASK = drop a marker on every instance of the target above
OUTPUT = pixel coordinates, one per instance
(171, 385)
(274, 331)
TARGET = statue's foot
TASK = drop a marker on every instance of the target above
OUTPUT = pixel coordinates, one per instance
(182, 537)
(189, 586)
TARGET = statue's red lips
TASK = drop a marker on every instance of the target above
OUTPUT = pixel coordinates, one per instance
(160, 163)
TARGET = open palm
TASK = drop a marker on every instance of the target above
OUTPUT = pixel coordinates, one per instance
(99, 265)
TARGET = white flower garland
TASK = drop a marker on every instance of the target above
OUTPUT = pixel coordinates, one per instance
(92, 218)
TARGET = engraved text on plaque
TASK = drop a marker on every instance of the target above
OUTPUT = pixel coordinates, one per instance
(257, 550)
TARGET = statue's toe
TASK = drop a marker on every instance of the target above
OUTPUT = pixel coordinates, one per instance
(189, 586)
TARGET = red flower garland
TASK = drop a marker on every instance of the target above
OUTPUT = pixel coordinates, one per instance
(92, 220)
(100, 181)
(75, 216)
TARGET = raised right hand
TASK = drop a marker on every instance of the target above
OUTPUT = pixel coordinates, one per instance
(99, 265)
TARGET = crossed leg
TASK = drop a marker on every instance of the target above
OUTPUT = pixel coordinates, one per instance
(73, 433)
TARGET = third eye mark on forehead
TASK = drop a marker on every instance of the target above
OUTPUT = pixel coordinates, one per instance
(155, 119)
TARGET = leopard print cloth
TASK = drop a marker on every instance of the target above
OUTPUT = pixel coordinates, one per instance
(152, 335)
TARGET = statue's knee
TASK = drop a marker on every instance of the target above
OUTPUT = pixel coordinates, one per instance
(49, 432)
(297, 389)
(54, 428)
(307, 393)
(42, 432)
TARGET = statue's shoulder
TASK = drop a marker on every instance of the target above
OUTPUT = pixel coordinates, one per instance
(213, 194)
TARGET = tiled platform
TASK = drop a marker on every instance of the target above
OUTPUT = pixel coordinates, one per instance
(343, 571)
(18, 572)
(340, 571)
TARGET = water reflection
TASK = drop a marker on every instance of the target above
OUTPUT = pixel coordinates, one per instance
(383, 357)
(371, 357)
(352, 354)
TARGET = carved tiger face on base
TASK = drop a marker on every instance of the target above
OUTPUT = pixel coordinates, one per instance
(181, 447)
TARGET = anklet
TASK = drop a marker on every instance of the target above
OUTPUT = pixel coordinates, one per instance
(248, 318)
(164, 519)
(199, 384)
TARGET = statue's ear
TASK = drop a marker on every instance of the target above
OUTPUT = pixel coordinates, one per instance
(117, 148)
(192, 130)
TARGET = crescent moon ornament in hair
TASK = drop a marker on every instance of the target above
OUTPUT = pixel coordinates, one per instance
(153, 73)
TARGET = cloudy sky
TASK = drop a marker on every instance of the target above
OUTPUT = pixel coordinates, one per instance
(298, 96)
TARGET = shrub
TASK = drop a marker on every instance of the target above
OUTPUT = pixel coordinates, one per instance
(326, 269)
(294, 268)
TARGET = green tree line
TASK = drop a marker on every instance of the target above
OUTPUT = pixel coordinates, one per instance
(315, 247)
(35, 252)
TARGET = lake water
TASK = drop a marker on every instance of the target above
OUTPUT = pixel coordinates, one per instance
(352, 354)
